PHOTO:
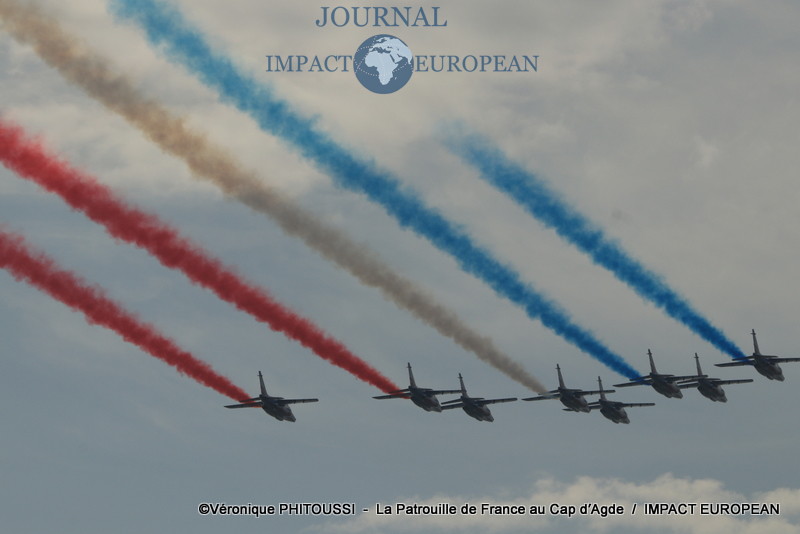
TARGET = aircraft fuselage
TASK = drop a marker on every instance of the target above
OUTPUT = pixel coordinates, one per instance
(769, 369)
(481, 413)
(668, 389)
(576, 403)
(617, 414)
(711, 391)
(281, 413)
(426, 401)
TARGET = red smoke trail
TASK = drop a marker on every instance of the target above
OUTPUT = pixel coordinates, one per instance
(40, 271)
(27, 158)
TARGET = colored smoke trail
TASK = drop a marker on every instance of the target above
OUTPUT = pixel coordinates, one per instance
(94, 75)
(83, 193)
(551, 209)
(40, 271)
(166, 28)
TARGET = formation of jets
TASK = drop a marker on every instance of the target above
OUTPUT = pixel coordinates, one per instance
(668, 385)
(574, 400)
(426, 399)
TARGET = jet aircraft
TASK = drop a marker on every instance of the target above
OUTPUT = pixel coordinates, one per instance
(766, 365)
(573, 399)
(667, 385)
(711, 387)
(612, 410)
(473, 406)
(277, 407)
(425, 398)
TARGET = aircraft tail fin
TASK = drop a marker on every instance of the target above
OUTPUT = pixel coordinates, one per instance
(411, 381)
(652, 363)
(756, 352)
(463, 389)
(697, 361)
(600, 384)
(560, 378)
(261, 381)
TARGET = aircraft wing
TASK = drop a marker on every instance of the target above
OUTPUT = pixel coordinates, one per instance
(544, 397)
(495, 401)
(737, 363)
(640, 382)
(772, 357)
(459, 403)
(295, 401)
(749, 360)
(255, 404)
(685, 377)
(444, 391)
(740, 381)
(715, 381)
(596, 405)
(595, 392)
(400, 395)
(635, 404)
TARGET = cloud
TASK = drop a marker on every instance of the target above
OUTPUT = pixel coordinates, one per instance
(604, 492)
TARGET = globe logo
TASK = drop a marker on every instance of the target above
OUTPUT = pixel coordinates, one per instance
(383, 64)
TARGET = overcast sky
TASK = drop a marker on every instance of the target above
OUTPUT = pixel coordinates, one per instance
(672, 125)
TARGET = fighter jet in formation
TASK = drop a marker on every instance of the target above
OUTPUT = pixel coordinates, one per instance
(612, 410)
(766, 365)
(473, 406)
(425, 398)
(667, 385)
(277, 407)
(711, 387)
(573, 399)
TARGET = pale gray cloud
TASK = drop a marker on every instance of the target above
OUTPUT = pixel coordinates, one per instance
(600, 496)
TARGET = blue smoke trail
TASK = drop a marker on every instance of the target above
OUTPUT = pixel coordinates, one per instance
(167, 28)
(539, 200)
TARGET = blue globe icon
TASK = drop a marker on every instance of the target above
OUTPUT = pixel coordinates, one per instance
(383, 64)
